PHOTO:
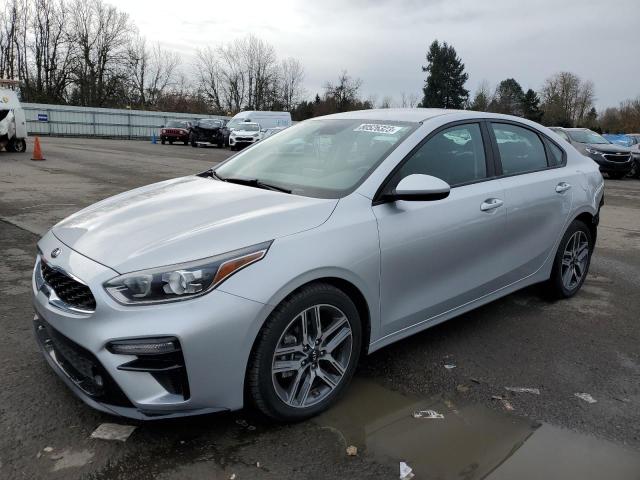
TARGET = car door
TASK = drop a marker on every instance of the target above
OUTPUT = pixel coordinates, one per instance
(438, 255)
(538, 194)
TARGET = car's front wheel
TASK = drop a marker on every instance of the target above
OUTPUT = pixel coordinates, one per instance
(572, 261)
(306, 353)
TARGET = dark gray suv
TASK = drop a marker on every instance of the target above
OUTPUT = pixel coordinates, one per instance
(614, 160)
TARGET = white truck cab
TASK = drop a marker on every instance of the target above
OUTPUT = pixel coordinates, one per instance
(13, 124)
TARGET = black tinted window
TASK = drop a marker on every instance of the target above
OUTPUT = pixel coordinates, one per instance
(555, 154)
(455, 155)
(521, 150)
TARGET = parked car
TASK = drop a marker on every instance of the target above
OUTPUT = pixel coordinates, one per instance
(13, 124)
(264, 118)
(208, 131)
(614, 160)
(244, 134)
(268, 276)
(175, 131)
(635, 172)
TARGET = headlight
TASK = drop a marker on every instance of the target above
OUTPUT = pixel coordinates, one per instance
(591, 150)
(182, 281)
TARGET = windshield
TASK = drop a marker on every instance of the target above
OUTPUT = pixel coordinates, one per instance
(234, 122)
(318, 158)
(249, 127)
(176, 124)
(587, 136)
(209, 123)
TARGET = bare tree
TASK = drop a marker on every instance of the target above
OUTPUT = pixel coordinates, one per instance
(387, 102)
(413, 100)
(345, 92)
(566, 99)
(152, 71)
(101, 34)
(209, 77)
(291, 78)
(47, 73)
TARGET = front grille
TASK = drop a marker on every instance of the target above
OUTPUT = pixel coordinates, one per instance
(79, 365)
(617, 158)
(69, 290)
(244, 139)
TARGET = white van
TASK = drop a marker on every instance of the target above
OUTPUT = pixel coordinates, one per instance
(13, 124)
(264, 119)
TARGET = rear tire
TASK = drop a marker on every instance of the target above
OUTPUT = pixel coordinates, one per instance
(572, 260)
(317, 365)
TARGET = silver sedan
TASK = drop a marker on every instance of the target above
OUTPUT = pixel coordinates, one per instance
(267, 277)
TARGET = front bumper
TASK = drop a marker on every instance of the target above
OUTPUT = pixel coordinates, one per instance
(233, 141)
(215, 333)
(610, 166)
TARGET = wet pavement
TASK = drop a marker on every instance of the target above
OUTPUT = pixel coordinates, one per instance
(588, 344)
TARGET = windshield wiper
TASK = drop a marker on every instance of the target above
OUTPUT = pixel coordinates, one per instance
(254, 182)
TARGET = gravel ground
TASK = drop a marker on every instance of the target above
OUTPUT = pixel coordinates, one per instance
(586, 344)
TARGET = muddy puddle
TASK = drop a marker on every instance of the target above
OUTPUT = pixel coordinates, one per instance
(470, 442)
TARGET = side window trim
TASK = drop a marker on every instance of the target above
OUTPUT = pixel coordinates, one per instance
(488, 156)
(541, 136)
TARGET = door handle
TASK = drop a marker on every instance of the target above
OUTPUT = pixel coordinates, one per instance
(563, 187)
(490, 204)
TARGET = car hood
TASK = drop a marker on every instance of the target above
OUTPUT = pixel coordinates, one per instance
(606, 147)
(185, 219)
(245, 132)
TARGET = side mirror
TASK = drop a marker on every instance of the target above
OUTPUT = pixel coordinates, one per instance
(419, 187)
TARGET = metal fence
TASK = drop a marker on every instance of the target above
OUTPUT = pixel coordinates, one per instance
(63, 120)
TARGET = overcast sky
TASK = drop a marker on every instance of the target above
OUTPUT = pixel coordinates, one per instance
(384, 42)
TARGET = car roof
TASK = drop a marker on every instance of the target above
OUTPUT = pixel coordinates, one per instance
(395, 114)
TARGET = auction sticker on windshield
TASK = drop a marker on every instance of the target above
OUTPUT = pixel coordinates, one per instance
(376, 128)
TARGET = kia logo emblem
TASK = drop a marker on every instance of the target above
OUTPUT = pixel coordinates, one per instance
(55, 252)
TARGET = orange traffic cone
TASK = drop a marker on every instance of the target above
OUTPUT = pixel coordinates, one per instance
(37, 151)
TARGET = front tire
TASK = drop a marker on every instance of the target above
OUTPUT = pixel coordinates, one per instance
(306, 353)
(571, 264)
(19, 145)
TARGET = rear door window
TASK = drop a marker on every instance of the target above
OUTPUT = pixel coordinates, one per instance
(521, 150)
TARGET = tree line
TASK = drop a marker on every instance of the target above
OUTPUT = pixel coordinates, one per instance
(89, 53)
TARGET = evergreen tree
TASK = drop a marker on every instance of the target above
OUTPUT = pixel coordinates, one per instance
(531, 106)
(481, 100)
(508, 98)
(444, 86)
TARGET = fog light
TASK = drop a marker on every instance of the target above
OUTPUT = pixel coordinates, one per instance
(144, 346)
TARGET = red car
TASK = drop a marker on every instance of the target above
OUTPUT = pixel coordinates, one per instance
(175, 131)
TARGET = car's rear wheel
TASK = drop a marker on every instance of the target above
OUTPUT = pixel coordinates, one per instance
(572, 261)
(306, 353)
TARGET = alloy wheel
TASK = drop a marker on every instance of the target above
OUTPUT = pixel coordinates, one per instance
(312, 356)
(574, 260)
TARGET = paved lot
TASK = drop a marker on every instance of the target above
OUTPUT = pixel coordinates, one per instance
(587, 344)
